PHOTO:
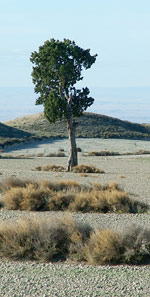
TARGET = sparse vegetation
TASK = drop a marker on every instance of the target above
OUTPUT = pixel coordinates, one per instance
(50, 167)
(86, 169)
(30, 156)
(90, 125)
(103, 153)
(76, 169)
(58, 154)
(71, 196)
(108, 153)
(62, 239)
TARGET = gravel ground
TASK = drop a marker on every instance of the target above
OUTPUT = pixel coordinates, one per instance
(132, 173)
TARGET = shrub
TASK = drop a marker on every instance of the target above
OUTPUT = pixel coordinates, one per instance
(40, 155)
(14, 183)
(34, 239)
(60, 201)
(53, 168)
(69, 195)
(103, 153)
(39, 239)
(103, 247)
(136, 245)
(63, 185)
(38, 168)
(59, 154)
(29, 198)
(61, 239)
(142, 152)
(86, 169)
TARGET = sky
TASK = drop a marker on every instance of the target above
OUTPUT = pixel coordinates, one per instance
(117, 30)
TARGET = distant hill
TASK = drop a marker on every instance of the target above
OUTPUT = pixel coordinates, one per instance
(89, 125)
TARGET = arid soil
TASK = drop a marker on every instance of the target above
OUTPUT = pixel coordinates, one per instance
(131, 172)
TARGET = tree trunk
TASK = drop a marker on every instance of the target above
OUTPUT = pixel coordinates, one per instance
(73, 159)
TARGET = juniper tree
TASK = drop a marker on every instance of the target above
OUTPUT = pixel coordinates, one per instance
(57, 67)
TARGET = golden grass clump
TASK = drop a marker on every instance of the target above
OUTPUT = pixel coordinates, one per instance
(103, 153)
(102, 201)
(83, 169)
(62, 185)
(103, 247)
(58, 154)
(34, 240)
(31, 198)
(49, 167)
(42, 240)
(63, 239)
(71, 196)
(14, 183)
(60, 201)
(53, 168)
(86, 169)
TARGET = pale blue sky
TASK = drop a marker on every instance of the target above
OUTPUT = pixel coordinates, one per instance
(117, 30)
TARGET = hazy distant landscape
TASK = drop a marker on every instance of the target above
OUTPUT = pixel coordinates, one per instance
(130, 103)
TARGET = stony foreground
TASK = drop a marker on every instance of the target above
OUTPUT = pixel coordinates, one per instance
(32, 279)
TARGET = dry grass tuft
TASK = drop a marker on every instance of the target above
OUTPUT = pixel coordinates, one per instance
(40, 155)
(58, 154)
(49, 167)
(108, 153)
(86, 169)
(53, 168)
(14, 182)
(72, 196)
(61, 239)
(63, 185)
(41, 240)
(38, 168)
(76, 169)
(122, 176)
(103, 247)
(103, 153)
(135, 245)
(31, 198)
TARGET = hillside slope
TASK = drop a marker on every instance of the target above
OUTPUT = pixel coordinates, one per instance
(89, 125)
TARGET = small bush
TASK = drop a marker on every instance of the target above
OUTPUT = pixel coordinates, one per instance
(108, 153)
(29, 198)
(40, 155)
(41, 240)
(61, 239)
(60, 201)
(14, 183)
(38, 168)
(63, 185)
(103, 153)
(135, 245)
(53, 168)
(142, 152)
(86, 169)
(103, 247)
(59, 154)
(69, 195)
